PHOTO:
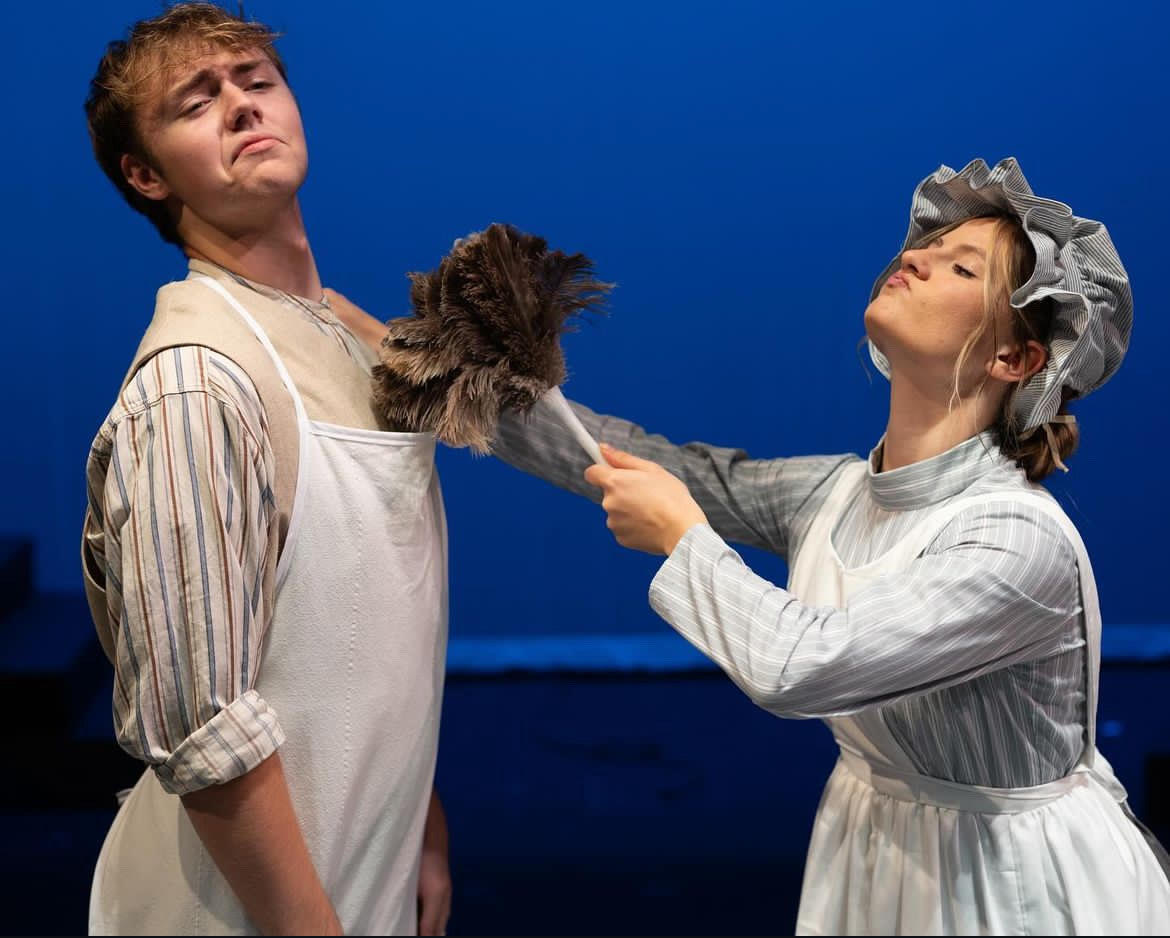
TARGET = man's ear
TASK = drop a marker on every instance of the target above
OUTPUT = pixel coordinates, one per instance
(144, 178)
(1015, 364)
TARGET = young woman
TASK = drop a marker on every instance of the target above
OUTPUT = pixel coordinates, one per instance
(941, 614)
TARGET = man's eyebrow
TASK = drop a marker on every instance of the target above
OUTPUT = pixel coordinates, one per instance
(242, 68)
(201, 77)
(204, 75)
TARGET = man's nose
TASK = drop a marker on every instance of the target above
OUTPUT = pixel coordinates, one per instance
(242, 108)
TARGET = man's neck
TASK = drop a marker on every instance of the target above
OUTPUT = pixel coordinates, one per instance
(277, 255)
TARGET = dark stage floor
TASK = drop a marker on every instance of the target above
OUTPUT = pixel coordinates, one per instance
(598, 804)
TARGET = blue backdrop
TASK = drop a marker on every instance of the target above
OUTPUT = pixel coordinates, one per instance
(742, 172)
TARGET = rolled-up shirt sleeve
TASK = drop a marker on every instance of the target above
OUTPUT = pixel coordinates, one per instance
(998, 586)
(185, 512)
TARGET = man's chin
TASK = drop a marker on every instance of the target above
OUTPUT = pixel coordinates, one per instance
(262, 188)
(270, 172)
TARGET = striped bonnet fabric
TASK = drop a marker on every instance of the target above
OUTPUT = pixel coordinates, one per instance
(1076, 265)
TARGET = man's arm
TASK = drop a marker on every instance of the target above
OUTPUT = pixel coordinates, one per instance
(434, 878)
(251, 831)
(188, 544)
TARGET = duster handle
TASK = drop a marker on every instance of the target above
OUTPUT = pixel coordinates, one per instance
(555, 398)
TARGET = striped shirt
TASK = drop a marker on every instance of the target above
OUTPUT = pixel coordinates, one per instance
(179, 480)
(993, 691)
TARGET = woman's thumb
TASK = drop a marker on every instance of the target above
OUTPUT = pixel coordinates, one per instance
(620, 459)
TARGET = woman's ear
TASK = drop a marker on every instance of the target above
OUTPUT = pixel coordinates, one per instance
(1015, 364)
(144, 178)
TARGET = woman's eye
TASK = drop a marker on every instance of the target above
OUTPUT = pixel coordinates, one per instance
(964, 272)
(259, 84)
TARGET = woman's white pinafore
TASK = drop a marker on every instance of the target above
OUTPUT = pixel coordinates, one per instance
(894, 852)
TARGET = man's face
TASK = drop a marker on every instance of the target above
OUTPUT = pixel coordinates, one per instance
(225, 139)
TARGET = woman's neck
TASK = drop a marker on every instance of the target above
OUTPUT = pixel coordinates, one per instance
(278, 255)
(921, 426)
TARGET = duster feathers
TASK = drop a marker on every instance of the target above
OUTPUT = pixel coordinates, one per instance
(484, 337)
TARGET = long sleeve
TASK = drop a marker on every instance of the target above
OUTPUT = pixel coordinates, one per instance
(997, 587)
(748, 501)
(180, 491)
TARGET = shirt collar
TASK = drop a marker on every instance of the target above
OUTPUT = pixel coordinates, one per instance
(318, 307)
(935, 479)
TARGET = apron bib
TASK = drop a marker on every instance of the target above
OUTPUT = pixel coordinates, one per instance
(353, 664)
(894, 852)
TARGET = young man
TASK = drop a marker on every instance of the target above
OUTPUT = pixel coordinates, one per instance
(266, 565)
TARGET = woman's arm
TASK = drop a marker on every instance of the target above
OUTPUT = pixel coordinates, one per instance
(997, 586)
(749, 501)
(981, 598)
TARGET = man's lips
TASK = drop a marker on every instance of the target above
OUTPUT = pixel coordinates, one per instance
(254, 145)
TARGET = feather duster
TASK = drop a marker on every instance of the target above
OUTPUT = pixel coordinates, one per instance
(485, 337)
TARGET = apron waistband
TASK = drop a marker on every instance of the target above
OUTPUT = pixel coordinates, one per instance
(976, 799)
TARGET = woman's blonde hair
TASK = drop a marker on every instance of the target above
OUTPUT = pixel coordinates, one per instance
(1010, 263)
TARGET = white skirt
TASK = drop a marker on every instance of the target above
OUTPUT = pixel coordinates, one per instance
(898, 854)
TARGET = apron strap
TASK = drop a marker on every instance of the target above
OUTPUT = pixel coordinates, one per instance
(820, 533)
(303, 426)
(262, 337)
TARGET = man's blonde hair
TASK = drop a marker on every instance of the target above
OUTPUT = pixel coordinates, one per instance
(134, 70)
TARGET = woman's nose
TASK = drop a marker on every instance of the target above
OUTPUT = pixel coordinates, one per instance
(915, 262)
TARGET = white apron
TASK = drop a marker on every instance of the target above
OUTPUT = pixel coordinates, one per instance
(353, 665)
(897, 853)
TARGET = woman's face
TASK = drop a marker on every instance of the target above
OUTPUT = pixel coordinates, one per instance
(925, 311)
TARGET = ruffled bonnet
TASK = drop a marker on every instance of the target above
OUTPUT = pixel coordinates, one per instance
(1076, 265)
